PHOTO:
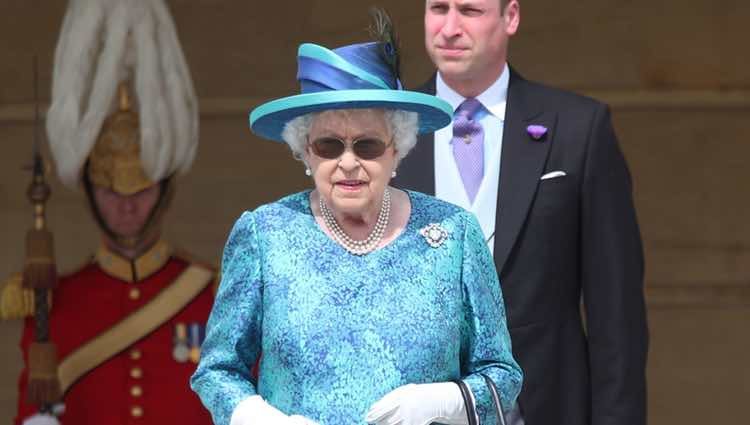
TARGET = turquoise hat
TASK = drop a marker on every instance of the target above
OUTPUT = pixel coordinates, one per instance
(357, 76)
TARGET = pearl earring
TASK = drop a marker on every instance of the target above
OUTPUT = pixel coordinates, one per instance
(393, 173)
(308, 172)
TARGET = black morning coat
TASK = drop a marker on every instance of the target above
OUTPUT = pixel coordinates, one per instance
(558, 242)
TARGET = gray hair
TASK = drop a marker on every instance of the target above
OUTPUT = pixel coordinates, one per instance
(403, 126)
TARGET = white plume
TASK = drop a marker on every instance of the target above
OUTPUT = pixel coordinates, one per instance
(105, 42)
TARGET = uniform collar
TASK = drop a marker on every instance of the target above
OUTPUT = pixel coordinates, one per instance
(137, 269)
(494, 98)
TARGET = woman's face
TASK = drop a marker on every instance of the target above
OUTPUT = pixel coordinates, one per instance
(349, 183)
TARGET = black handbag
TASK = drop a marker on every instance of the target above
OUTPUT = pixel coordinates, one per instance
(471, 411)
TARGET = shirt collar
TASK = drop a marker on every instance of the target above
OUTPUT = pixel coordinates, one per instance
(135, 270)
(494, 98)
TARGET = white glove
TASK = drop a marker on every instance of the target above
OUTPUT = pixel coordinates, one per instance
(420, 404)
(41, 419)
(255, 411)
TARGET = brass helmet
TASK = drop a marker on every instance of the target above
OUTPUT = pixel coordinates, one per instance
(115, 164)
(115, 161)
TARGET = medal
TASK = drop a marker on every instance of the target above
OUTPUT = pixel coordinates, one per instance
(180, 351)
(196, 336)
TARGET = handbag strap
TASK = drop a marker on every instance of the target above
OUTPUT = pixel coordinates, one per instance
(471, 411)
(495, 398)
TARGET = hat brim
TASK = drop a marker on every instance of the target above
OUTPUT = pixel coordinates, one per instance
(268, 120)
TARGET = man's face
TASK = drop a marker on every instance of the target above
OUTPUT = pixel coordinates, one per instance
(467, 40)
(126, 215)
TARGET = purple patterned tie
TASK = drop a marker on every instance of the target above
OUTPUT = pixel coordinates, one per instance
(468, 145)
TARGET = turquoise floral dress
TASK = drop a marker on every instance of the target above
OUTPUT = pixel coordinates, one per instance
(339, 331)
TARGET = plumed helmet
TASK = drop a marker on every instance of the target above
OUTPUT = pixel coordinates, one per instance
(122, 96)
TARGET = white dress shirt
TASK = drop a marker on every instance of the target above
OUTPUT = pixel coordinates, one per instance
(448, 183)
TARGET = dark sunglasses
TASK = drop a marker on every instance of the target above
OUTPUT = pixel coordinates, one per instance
(365, 148)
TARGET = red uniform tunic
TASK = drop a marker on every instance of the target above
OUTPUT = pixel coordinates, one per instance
(143, 384)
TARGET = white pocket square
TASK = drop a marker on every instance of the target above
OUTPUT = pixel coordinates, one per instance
(553, 174)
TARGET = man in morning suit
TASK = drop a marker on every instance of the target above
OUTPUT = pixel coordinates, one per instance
(542, 170)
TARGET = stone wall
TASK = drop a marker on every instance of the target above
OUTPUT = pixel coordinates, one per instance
(673, 71)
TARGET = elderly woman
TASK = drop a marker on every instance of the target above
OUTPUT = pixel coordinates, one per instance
(368, 303)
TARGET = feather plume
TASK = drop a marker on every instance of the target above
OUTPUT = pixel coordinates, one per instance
(156, 137)
(182, 101)
(382, 30)
(105, 42)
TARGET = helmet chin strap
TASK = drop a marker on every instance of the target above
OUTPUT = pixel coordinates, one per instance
(149, 230)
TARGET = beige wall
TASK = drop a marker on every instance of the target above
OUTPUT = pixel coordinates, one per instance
(674, 71)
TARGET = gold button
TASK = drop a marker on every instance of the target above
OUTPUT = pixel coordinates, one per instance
(134, 293)
(136, 391)
(135, 354)
(136, 411)
(136, 373)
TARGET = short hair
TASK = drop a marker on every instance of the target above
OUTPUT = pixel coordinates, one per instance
(402, 124)
(503, 5)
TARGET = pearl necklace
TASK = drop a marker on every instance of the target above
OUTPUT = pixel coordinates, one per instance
(372, 241)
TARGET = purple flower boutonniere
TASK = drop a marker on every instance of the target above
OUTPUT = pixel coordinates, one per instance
(536, 132)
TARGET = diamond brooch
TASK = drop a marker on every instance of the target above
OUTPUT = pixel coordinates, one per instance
(434, 234)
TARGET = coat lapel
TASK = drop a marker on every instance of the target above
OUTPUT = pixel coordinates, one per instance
(522, 163)
(422, 176)
(417, 172)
